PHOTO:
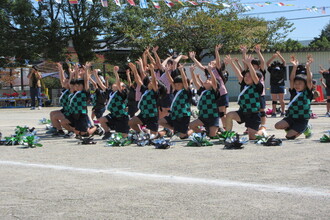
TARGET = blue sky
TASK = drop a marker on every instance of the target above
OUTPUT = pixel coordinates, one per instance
(306, 29)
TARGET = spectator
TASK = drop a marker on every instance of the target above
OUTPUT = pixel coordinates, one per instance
(35, 87)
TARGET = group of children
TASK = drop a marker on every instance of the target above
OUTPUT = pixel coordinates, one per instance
(161, 94)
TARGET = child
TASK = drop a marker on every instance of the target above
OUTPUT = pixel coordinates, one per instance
(208, 115)
(118, 118)
(298, 110)
(248, 99)
(277, 72)
(131, 101)
(326, 85)
(180, 112)
(220, 74)
(148, 103)
(78, 105)
(98, 98)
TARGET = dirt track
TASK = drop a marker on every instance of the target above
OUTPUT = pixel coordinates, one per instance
(64, 180)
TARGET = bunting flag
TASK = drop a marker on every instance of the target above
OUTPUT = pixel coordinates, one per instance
(193, 3)
(118, 2)
(280, 4)
(58, 1)
(180, 2)
(323, 10)
(73, 2)
(143, 4)
(156, 4)
(169, 3)
(104, 3)
(131, 2)
(39, 0)
(89, 1)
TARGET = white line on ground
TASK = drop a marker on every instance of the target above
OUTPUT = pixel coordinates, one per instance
(303, 191)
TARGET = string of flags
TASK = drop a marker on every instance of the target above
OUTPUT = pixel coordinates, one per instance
(171, 3)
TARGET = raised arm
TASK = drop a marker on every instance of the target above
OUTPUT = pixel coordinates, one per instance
(244, 51)
(141, 68)
(213, 79)
(281, 57)
(136, 74)
(177, 60)
(238, 64)
(184, 77)
(194, 78)
(295, 64)
(237, 71)
(252, 71)
(157, 59)
(153, 78)
(322, 82)
(217, 55)
(152, 60)
(192, 56)
(269, 62)
(169, 77)
(118, 82)
(128, 74)
(99, 81)
(310, 60)
(260, 56)
(87, 74)
(61, 74)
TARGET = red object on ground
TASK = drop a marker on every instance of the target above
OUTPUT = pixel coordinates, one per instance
(320, 90)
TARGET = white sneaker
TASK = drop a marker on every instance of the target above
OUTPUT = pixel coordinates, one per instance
(39, 108)
(32, 108)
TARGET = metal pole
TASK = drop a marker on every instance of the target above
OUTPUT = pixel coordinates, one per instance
(22, 81)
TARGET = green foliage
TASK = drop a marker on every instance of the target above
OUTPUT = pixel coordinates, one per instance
(289, 45)
(322, 42)
(52, 83)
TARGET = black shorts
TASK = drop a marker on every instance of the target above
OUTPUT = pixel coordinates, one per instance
(118, 124)
(276, 89)
(99, 112)
(132, 109)
(70, 118)
(223, 101)
(83, 123)
(251, 120)
(150, 123)
(166, 101)
(262, 102)
(327, 91)
(298, 125)
(180, 124)
(210, 122)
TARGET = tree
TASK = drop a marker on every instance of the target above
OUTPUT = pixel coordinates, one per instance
(323, 41)
(196, 28)
(288, 45)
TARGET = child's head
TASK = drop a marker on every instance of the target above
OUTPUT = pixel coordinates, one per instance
(178, 84)
(301, 69)
(147, 82)
(207, 84)
(300, 82)
(256, 64)
(170, 64)
(72, 84)
(114, 87)
(79, 86)
(248, 78)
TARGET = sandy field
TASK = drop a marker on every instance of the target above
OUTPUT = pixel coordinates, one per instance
(65, 180)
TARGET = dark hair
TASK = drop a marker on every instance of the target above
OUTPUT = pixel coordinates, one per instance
(80, 81)
(73, 82)
(301, 69)
(146, 81)
(301, 77)
(170, 61)
(35, 68)
(276, 64)
(177, 79)
(255, 62)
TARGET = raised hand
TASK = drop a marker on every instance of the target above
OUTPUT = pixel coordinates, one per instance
(192, 54)
(294, 61)
(248, 59)
(257, 48)
(218, 47)
(243, 48)
(228, 59)
(192, 68)
(154, 49)
(181, 67)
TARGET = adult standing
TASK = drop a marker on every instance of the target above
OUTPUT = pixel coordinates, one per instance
(35, 87)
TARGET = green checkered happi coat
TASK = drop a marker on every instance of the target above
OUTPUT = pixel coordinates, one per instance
(65, 101)
(78, 103)
(207, 105)
(181, 105)
(301, 107)
(117, 106)
(148, 105)
(250, 101)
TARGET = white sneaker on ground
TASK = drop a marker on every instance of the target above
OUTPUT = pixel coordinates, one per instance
(39, 108)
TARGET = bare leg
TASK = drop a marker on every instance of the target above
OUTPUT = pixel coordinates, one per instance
(194, 125)
(229, 120)
(281, 98)
(134, 124)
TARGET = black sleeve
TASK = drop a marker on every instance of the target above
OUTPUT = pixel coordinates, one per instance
(293, 93)
(123, 93)
(200, 90)
(260, 87)
(143, 89)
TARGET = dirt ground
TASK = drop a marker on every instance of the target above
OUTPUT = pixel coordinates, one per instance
(64, 180)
